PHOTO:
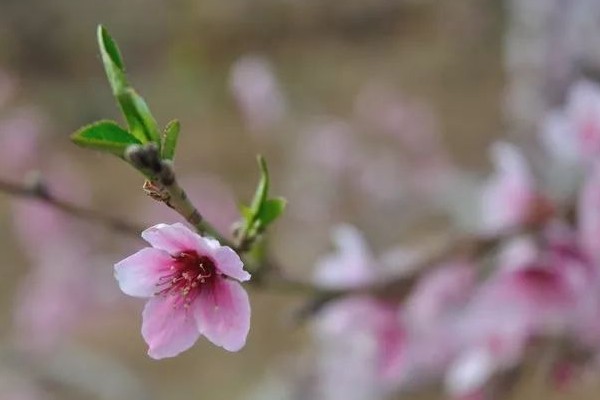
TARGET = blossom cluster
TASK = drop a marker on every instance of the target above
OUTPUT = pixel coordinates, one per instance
(469, 322)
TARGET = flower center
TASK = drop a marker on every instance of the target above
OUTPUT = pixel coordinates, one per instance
(188, 273)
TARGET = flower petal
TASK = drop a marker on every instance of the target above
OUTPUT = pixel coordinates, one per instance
(173, 238)
(352, 265)
(167, 327)
(508, 195)
(138, 274)
(229, 263)
(589, 213)
(222, 312)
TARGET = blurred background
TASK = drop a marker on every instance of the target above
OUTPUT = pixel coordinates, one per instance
(363, 108)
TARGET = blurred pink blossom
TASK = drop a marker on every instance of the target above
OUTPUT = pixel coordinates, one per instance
(409, 121)
(439, 295)
(383, 178)
(589, 213)
(516, 252)
(257, 93)
(37, 222)
(572, 133)
(193, 288)
(431, 314)
(426, 163)
(352, 265)
(53, 298)
(324, 158)
(542, 298)
(330, 145)
(55, 295)
(19, 142)
(361, 351)
(510, 197)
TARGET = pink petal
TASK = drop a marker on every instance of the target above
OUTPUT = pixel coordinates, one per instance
(558, 139)
(351, 265)
(589, 214)
(167, 327)
(440, 293)
(257, 92)
(582, 109)
(138, 274)
(508, 195)
(223, 314)
(470, 372)
(229, 263)
(174, 238)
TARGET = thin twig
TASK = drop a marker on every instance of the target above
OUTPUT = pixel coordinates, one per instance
(37, 193)
(161, 184)
(397, 287)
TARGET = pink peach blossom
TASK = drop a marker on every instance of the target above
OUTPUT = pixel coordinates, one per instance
(589, 213)
(583, 111)
(63, 284)
(548, 296)
(509, 198)
(430, 315)
(440, 294)
(19, 142)
(53, 298)
(407, 120)
(362, 347)
(352, 265)
(256, 90)
(572, 133)
(193, 288)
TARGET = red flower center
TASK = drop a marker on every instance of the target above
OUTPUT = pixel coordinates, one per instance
(188, 273)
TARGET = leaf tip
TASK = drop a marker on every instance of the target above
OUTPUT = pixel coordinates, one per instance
(108, 46)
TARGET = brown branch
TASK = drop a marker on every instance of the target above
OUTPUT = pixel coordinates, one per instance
(161, 184)
(38, 192)
(396, 287)
(271, 275)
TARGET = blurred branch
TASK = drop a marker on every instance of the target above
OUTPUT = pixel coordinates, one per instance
(397, 287)
(271, 274)
(41, 193)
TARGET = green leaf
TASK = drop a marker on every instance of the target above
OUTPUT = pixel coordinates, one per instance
(270, 210)
(263, 210)
(170, 137)
(135, 110)
(104, 136)
(262, 190)
(246, 212)
(138, 115)
(113, 63)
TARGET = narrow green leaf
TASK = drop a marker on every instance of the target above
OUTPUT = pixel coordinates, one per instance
(139, 118)
(170, 137)
(104, 136)
(270, 210)
(135, 110)
(113, 63)
(262, 190)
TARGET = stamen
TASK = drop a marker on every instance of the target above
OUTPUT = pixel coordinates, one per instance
(186, 277)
